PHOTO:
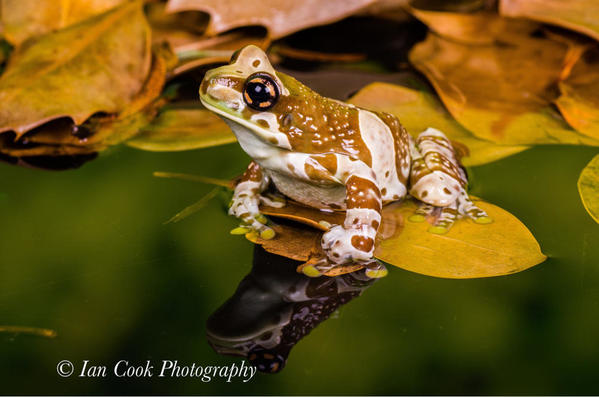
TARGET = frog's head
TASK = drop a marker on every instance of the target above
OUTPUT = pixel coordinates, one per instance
(251, 96)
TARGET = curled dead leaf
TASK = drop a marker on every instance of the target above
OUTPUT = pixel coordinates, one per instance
(578, 15)
(280, 17)
(419, 109)
(588, 187)
(58, 75)
(579, 99)
(500, 92)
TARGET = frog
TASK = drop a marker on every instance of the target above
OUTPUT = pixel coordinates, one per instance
(331, 156)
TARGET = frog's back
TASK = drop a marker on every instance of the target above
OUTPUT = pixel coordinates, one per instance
(317, 125)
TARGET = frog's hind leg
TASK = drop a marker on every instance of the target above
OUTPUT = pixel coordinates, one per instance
(438, 180)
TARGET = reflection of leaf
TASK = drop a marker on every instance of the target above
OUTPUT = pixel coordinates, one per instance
(579, 15)
(26, 18)
(588, 187)
(96, 66)
(280, 17)
(500, 92)
(469, 250)
(178, 129)
(579, 100)
(419, 109)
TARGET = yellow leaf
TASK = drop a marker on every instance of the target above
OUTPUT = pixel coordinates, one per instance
(280, 17)
(419, 109)
(99, 65)
(23, 19)
(579, 15)
(588, 187)
(177, 129)
(502, 91)
(468, 250)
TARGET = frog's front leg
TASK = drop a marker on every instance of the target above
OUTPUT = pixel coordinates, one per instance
(354, 240)
(247, 198)
(438, 180)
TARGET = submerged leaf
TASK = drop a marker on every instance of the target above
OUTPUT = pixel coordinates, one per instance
(67, 73)
(588, 187)
(23, 19)
(502, 92)
(579, 15)
(419, 109)
(579, 99)
(280, 17)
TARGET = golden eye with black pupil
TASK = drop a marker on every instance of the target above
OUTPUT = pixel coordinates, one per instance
(260, 91)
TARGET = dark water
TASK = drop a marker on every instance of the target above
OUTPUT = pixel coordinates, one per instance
(86, 253)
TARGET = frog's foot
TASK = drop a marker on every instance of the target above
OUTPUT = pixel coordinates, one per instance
(445, 217)
(245, 207)
(343, 245)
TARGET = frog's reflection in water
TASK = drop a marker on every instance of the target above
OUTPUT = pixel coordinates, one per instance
(274, 307)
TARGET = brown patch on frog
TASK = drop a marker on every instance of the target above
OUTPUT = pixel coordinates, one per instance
(384, 191)
(319, 124)
(362, 193)
(273, 140)
(316, 173)
(256, 63)
(291, 167)
(362, 243)
(375, 225)
(328, 161)
(252, 173)
(263, 123)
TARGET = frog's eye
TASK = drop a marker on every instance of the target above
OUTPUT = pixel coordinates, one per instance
(260, 91)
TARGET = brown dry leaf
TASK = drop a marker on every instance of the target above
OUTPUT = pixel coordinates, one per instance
(176, 129)
(420, 109)
(23, 19)
(579, 100)
(469, 250)
(218, 49)
(476, 28)
(501, 92)
(58, 75)
(300, 244)
(175, 28)
(280, 17)
(588, 187)
(100, 132)
(578, 15)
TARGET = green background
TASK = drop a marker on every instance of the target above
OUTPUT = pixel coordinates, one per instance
(85, 252)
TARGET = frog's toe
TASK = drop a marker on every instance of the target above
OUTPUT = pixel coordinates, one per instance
(273, 200)
(376, 270)
(445, 220)
(483, 220)
(421, 213)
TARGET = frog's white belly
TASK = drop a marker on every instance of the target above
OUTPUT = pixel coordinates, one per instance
(323, 196)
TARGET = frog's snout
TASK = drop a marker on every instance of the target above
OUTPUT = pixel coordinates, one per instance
(222, 90)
